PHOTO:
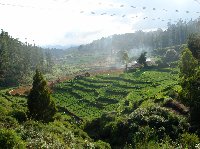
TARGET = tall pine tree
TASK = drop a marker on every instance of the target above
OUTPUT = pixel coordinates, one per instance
(40, 105)
(142, 59)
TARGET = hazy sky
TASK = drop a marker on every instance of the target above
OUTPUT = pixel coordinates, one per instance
(72, 22)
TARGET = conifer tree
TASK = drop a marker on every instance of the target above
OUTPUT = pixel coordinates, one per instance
(142, 59)
(40, 105)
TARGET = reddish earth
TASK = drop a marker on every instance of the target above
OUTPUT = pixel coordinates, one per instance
(23, 90)
(20, 90)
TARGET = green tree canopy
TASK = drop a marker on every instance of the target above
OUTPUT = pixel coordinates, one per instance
(142, 59)
(124, 58)
(190, 83)
(194, 45)
(188, 64)
(40, 105)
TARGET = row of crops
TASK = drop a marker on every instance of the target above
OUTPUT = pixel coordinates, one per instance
(89, 97)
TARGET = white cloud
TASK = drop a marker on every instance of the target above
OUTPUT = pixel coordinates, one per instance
(61, 22)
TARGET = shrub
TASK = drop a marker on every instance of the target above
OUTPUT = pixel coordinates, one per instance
(161, 63)
(188, 140)
(102, 145)
(19, 115)
(170, 56)
(9, 139)
(8, 122)
(160, 119)
(39, 135)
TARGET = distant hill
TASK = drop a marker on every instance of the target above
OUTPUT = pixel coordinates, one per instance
(175, 34)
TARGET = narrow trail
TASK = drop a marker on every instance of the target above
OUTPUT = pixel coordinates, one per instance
(23, 90)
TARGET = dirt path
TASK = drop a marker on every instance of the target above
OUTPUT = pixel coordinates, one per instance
(24, 90)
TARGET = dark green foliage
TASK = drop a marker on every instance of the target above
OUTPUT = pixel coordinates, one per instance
(49, 61)
(142, 59)
(141, 126)
(162, 120)
(194, 45)
(19, 60)
(19, 115)
(9, 139)
(40, 105)
(190, 82)
(109, 128)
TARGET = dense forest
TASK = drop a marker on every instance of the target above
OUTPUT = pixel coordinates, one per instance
(19, 60)
(150, 104)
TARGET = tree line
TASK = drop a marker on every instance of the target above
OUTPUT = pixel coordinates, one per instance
(175, 34)
(19, 60)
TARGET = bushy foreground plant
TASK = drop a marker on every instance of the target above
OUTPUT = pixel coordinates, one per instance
(9, 139)
(188, 140)
(144, 125)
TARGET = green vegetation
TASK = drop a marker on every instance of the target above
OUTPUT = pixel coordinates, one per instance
(189, 77)
(124, 58)
(19, 60)
(142, 59)
(40, 104)
(194, 45)
(9, 139)
(16, 131)
(89, 97)
(151, 107)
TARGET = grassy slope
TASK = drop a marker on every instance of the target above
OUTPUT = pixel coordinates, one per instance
(89, 97)
(19, 131)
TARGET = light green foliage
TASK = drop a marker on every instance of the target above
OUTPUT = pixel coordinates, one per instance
(189, 80)
(89, 97)
(188, 140)
(22, 133)
(40, 104)
(124, 58)
(9, 139)
(188, 64)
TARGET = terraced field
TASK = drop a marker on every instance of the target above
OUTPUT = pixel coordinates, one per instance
(90, 97)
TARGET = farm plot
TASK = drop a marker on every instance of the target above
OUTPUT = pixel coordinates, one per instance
(90, 97)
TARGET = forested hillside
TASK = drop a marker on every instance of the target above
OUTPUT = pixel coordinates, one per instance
(19, 60)
(175, 34)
